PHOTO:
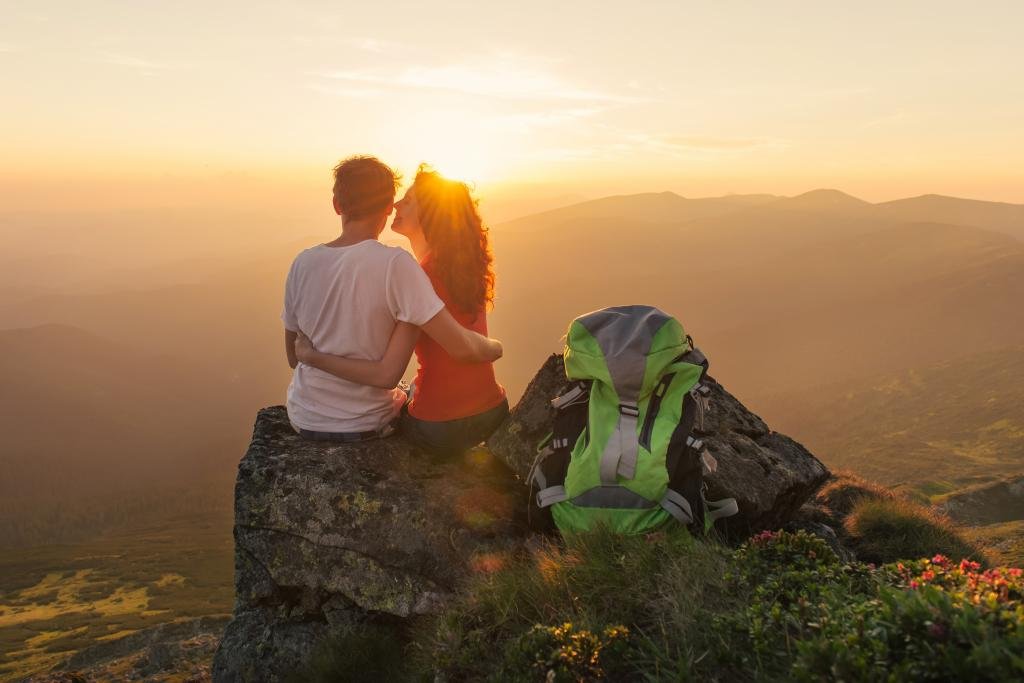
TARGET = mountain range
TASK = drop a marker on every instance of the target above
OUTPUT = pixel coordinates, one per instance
(800, 302)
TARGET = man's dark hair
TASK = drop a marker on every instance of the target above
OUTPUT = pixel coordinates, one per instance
(364, 186)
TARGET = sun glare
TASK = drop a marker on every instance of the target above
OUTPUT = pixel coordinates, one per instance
(456, 145)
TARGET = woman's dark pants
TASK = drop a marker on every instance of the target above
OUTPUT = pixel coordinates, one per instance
(453, 437)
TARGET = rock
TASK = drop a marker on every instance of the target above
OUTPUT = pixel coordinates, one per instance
(329, 536)
(179, 650)
(991, 503)
(769, 474)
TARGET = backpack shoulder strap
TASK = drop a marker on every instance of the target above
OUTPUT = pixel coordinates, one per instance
(552, 463)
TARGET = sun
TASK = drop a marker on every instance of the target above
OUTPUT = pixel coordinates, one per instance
(455, 144)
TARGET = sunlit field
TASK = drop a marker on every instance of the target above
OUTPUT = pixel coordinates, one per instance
(57, 600)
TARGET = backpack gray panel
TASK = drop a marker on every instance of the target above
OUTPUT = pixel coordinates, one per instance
(625, 334)
(612, 497)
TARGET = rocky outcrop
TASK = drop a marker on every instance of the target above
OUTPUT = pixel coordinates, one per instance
(329, 536)
(769, 474)
(175, 651)
(999, 501)
(332, 537)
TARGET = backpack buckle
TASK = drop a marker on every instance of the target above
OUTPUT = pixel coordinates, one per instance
(568, 397)
(628, 409)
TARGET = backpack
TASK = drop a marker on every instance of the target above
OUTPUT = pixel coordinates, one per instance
(622, 450)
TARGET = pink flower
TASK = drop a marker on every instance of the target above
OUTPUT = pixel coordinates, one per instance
(968, 565)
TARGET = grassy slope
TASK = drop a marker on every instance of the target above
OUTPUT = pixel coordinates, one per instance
(58, 599)
(936, 429)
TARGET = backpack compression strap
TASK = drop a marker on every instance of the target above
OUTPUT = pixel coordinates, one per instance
(621, 451)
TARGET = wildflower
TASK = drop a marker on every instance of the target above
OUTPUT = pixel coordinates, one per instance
(969, 566)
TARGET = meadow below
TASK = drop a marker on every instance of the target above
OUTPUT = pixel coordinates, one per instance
(56, 600)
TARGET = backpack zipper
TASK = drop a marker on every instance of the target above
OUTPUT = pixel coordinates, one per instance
(652, 410)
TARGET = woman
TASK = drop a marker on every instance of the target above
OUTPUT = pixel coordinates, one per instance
(453, 405)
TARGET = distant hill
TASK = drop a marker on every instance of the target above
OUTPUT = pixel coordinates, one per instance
(1008, 218)
(784, 293)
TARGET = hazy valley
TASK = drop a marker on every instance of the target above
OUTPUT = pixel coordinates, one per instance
(886, 337)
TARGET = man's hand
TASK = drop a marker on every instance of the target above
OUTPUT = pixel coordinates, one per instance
(458, 342)
(495, 350)
(289, 348)
(304, 349)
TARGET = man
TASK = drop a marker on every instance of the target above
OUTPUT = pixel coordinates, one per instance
(347, 296)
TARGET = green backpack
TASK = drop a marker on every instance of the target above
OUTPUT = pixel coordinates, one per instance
(622, 451)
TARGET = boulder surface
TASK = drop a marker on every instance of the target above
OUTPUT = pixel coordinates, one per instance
(328, 536)
(769, 474)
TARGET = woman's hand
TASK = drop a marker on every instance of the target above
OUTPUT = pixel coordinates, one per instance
(304, 349)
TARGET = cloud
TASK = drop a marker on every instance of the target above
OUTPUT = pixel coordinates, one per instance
(501, 79)
(721, 144)
(373, 45)
(546, 118)
(132, 62)
(354, 92)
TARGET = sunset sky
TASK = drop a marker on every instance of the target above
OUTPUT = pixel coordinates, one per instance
(114, 100)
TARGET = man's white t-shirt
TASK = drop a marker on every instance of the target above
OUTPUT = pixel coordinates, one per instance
(347, 300)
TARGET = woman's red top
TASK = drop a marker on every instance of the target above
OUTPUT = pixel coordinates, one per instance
(444, 388)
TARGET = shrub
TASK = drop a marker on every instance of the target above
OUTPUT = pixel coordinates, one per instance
(931, 620)
(796, 579)
(896, 529)
(843, 492)
(567, 653)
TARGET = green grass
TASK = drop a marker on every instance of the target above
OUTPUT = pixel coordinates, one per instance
(658, 585)
(56, 600)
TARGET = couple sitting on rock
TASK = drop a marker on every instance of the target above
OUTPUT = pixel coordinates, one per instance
(356, 309)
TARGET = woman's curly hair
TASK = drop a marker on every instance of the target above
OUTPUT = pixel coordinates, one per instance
(460, 250)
